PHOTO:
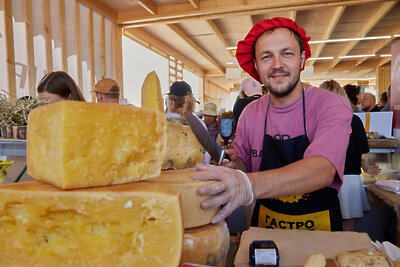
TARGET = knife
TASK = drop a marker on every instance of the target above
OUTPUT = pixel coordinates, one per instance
(205, 138)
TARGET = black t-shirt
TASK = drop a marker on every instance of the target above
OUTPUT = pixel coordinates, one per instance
(239, 105)
(358, 145)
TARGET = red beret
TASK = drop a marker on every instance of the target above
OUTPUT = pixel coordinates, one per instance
(245, 48)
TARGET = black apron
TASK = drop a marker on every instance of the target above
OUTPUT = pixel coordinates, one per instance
(318, 210)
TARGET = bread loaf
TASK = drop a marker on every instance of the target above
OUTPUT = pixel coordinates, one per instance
(73, 144)
(193, 214)
(135, 224)
(363, 258)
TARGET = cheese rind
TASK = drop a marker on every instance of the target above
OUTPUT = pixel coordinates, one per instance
(183, 149)
(193, 214)
(73, 144)
(206, 245)
(135, 224)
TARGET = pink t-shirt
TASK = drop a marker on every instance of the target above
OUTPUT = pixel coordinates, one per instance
(328, 124)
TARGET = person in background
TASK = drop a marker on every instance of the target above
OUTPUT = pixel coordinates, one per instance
(353, 93)
(107, 91)
(385, 100)
(210, 115)
(368, 103)
(291, 142)
(352, 197)
(180, 99)
(250, 90)
(57, 86)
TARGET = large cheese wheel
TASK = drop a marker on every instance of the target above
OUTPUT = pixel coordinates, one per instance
(206, 245)
(193, 214)
(74, 144)
(135, 224)
(183, 149)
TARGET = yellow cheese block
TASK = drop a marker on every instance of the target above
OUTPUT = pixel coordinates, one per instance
(193, 214)
(151, 92)
(73, 144)
(183, 149)
(206, 245)
(135, 224)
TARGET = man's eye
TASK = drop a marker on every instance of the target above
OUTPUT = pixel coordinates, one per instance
(287, 54)
(266, 57)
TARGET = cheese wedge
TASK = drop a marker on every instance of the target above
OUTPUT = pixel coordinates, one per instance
(135, 224)
(151, 92)
(183, 149)
(206, 245)
(193, 214)
(73, 144)
(316, 260)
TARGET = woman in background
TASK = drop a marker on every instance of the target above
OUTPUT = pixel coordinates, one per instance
(352, 197)
(57, 86)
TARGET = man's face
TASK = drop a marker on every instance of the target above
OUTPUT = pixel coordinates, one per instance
(279, 61)
(366, 103)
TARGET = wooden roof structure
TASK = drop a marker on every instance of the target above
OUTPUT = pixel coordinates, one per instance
(198, 32)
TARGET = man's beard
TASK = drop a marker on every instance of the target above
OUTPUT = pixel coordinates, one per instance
(288, 89)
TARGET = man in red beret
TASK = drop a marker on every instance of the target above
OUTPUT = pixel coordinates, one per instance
(290, 144)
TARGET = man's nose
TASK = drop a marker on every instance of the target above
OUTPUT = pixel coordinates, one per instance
(277, 62)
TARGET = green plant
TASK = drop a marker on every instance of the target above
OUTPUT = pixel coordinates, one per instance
(14, 112)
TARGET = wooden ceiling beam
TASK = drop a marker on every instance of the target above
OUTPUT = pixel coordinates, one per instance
(213, 9)
(348, 65)
(292, 15)
(196, 47)
(149, 6)
(154, 44)
(331, 26)
(101, 8)
(251, 21)
(380, 12)
(218, 33)
(195, 3)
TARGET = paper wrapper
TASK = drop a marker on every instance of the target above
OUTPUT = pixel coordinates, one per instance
(295, 246)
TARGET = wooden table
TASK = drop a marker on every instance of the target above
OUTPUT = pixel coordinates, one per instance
(392, 200)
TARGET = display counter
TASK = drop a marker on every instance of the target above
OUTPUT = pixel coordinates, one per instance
(295, 246)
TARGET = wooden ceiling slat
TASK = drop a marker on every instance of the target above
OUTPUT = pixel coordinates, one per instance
(149, 6)
(196, 47)
(385, 7)
(218, 33)
(212, 9)
(101, 8)
(293, 14)
(380, 44)
(195, 3)
(161, 48)
(331, 26)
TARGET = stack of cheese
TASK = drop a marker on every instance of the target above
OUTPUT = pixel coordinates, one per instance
(203, 242)
(183, 149)
(83, 148)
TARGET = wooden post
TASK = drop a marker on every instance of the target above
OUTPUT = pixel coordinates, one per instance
(29, 47)
(92, 61)
(382, 79)
(9, 37)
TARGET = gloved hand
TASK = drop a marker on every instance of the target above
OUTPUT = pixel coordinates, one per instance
(232, 189)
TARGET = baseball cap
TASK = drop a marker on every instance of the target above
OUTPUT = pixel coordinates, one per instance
(245, 47)
(107, 86)
(251, 87)
(180, 88)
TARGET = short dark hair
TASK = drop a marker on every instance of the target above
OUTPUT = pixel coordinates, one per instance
(384, 97)
(352, 91)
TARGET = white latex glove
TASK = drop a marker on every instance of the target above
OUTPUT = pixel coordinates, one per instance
(232, 189)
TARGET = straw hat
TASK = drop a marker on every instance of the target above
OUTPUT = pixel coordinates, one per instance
(210, 109)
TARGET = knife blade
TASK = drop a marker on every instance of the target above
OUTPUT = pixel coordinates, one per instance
(205, 139)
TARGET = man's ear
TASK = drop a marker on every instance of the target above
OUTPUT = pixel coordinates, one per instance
(303, 59)
(255, 65)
